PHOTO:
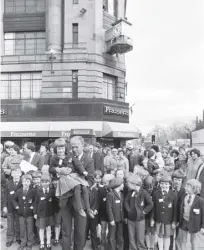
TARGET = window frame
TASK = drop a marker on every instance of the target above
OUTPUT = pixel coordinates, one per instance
(113, 85)
(34, 7)
(75, 84)
(75, 33)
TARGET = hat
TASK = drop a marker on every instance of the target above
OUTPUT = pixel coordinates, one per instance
(36, 174)
(165, 178)
(178, 174)
(8, 144)
(150, 153)
(116, 182)
(134, 180)
(45, 177)
(148, 181)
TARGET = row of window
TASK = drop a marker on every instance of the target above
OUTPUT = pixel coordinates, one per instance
(29, 85)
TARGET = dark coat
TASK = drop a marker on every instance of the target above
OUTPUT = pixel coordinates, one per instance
(196, 220)
(10, 191)
(25, 202)
(43, 206)
(37, 160)
(134, 159)
(138, 205)
(102, 194)
(94, 199)
(46, 159)
(165, 210)
(88, 165)
(98, 158)
(114, 206)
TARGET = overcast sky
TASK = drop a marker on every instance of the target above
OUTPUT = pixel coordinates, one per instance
(165, 70)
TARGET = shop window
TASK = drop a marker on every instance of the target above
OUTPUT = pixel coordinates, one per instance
(75, 84)
(20, 85)
(24, 43)
(109, 87)
(75, 34)
(24, 6)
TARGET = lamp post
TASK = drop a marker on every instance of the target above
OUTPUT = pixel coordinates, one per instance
(52, 57)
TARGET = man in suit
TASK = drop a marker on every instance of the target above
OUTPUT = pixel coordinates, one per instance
(31, 156)
(98, 158)
(68, 213)
(134, 157)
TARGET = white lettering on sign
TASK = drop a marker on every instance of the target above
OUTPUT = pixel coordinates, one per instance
(115, 111)
(2, 112)
(65, 134)
(126, 134)
(26, 134)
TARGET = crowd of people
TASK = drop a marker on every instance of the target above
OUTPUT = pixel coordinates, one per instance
(127, 198)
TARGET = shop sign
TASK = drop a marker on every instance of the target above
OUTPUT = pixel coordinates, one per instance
(115, 111)
(82, 132)
(24, 133)
(59, 134)
(125, 134)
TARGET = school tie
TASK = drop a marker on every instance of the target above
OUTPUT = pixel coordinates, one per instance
(189, 199)
(46, 191)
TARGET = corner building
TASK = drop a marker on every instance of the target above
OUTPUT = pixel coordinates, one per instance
(63, 70)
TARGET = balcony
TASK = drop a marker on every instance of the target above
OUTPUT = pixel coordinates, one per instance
(118, 38)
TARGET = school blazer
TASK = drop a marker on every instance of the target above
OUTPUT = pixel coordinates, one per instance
(43, 205)
(139, 205)
(10, 191)
(196, 220)
(114, 206)
(94, 199)
(165, 210)
(25, 202)
(102, 193)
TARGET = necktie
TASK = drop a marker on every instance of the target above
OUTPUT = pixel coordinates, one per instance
(46, 191)
(25, 191)
(189, 199)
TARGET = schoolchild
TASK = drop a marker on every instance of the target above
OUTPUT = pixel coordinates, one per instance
(190, 215)
(23, 202)
(150, 232)
(43, 210)
(92, 223)
(138, 204)
(13, 227)
(103, 217)
(114, 207)
(164, 216)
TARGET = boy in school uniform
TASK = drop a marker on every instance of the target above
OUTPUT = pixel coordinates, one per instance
(13, 227)
(138, 203)
(190, 215)
(24, 203)
(114, 207)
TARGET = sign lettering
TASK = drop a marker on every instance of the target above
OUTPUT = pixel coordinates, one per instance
(115, 111)
(26, 134)
(65, 134)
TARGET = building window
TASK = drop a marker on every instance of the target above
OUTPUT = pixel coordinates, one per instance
(75, 1)
(75, 34)
(109, 87)
(111, 6)
(24, 6)
(75, 84)
(24, 43)
(20, 85)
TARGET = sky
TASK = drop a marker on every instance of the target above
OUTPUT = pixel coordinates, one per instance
(165, 70)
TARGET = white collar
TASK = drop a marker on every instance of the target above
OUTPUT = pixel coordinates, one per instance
(44, 189)
(79, 157)
(31, 157)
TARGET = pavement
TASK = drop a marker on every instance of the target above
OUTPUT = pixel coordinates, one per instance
(88, 245)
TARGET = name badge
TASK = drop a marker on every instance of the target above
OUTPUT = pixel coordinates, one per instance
(42, 198)
(170, 205)
(104, 199)
(12, 192)
(31, 207)
(133, 194)
(60, 162)
(118, 201)
(196, 211)
(161, 200)
(142, 203)
(24, 198)
(50, 199)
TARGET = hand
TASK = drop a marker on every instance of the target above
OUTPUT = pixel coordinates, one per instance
(85, 173)
(35, 216)
(202, 230)
(17, 207)
(95, 212)
(152, 223)
(173, 225)
(112, 223)
(5, 210)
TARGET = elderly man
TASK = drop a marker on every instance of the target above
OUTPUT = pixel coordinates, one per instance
(68, 213)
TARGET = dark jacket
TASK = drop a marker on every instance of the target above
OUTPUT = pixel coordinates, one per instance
(102, 194)
(10, 191)
(88, 165)
(98, 158)
(43, 206)
(134, 159)
(196, 220)
(46, 158)
(37, 160)
(114, 206)
(200, 177)
(165, 210)
(94, 199)
(25, 202)
(138, 205)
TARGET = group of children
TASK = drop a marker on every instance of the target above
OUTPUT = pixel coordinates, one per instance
(132, 213)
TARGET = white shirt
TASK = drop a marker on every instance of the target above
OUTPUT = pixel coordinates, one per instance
(31, 157)
(45, 189)
(79, 157)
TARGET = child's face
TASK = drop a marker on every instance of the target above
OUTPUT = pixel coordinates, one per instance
(164, 185)
(189, 189)
(120, 174)
(164, 153)
(16, 174)
(36, 181)
(45, 169)
(54, 182)
(177, 182)
(45, 183)
(97, 179)
(26, 183)
(158, 177)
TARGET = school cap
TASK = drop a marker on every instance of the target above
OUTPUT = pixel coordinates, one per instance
(116, 182)
(178, 174)
(36, 174)
(165, 178)
(148, 181)
(134, 180)
(45, 177)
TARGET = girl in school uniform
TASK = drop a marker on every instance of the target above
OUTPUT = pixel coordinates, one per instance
(43, 210)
